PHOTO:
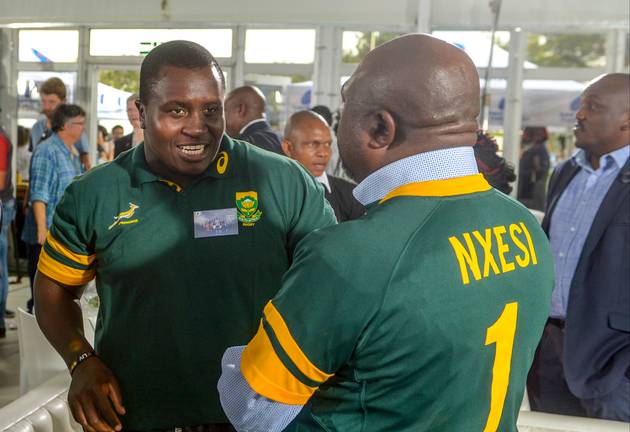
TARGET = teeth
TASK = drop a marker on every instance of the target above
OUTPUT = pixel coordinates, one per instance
(193, 149)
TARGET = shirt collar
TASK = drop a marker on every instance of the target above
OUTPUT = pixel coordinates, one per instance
(323, 179)
(55, 138)
(619, 157)
(222, 166)
(258, 120)
(434, 165)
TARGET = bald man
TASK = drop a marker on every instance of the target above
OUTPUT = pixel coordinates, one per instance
(582, 366)
(245, 118)
(424, 314)
(308, 140)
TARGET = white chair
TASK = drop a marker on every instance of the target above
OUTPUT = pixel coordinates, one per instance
(61, 416)
(38, 359)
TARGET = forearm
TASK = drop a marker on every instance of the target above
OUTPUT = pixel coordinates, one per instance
(60, 317)
(39, 211)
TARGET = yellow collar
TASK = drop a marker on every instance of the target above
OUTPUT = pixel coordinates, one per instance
(442, 188)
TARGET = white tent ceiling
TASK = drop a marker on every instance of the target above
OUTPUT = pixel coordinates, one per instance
(403, 15)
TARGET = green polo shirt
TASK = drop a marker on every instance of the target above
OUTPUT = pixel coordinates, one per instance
(427, 319)
(182, 273)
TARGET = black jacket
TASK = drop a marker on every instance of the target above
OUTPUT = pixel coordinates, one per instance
(342, 201)
(261, 135)
(597, 328)
(122, 144)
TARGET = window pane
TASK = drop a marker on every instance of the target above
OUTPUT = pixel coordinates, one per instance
(567, 50)
(355, 45)
(28, 94)
(280, 46)
(138, 42)
(49, 46)
(477, 45)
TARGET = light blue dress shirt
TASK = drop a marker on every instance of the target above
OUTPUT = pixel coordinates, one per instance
(573, 216)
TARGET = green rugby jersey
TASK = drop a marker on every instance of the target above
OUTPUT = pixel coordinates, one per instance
(423, 315)
(182, 273)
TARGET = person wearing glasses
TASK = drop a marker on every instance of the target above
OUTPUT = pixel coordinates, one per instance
(55, 163)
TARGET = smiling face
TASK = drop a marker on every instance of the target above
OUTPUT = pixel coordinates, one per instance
(183, 122)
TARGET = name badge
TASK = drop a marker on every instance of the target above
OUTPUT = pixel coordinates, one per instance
(215, 223)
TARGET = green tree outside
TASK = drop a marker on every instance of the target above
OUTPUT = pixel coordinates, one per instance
(565, 50)
(366, 42)
(126, 80)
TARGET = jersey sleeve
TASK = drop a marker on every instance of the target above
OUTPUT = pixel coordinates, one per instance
(310, 329)
(308, 207)
(66, 256)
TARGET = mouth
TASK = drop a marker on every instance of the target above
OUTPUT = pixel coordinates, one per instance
(577, 128)
(192, 152)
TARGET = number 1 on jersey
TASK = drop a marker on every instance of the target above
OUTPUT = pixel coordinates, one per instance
(502, 334)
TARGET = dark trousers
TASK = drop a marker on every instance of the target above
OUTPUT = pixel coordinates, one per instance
(548, 390)
(32, 252)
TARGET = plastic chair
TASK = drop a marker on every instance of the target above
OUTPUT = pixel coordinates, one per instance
(39, 361)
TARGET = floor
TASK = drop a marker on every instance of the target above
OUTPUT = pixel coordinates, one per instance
(19, 293)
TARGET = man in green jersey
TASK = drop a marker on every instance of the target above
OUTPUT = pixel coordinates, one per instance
(187, 236)
(431, 324)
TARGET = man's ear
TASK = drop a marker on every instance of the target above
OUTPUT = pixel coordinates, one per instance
(382, 129)
(142, 113)
(626, 122)
(242, 109)
(286, 148)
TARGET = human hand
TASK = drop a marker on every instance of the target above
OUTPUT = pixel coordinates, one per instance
(41, 237)
(94, 397)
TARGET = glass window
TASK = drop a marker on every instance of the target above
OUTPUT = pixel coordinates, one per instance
(477, 45)
(280, 46)
(138, 42)
(567, 50)
(49, 46)
(355, 45)
(28, 93)
(285, 95)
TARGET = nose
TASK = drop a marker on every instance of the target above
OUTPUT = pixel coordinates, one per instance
(580, 113)
(196, 124)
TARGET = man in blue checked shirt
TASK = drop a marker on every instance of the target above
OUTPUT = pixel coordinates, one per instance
(582, 365)
(55, 163)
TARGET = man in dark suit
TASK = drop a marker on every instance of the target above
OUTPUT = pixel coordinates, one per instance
(308, 139)
(582, 365)
(245, 118)
(137, 135)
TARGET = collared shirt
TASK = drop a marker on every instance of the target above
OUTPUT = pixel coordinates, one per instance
(433, 165)
(40, 129)
(53, 167)
(153, 246)
(572, 219)
(258, 120)
(323, 179)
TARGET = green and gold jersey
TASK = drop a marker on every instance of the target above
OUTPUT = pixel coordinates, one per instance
(423, 315)
(182, 273)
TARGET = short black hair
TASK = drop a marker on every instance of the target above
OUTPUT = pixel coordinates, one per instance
(496, 170)
(325, 112)
(178, 53)
(63, 113)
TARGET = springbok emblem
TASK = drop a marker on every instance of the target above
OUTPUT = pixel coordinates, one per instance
(125, 215)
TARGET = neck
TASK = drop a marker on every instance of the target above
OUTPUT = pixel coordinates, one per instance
(68, 141)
